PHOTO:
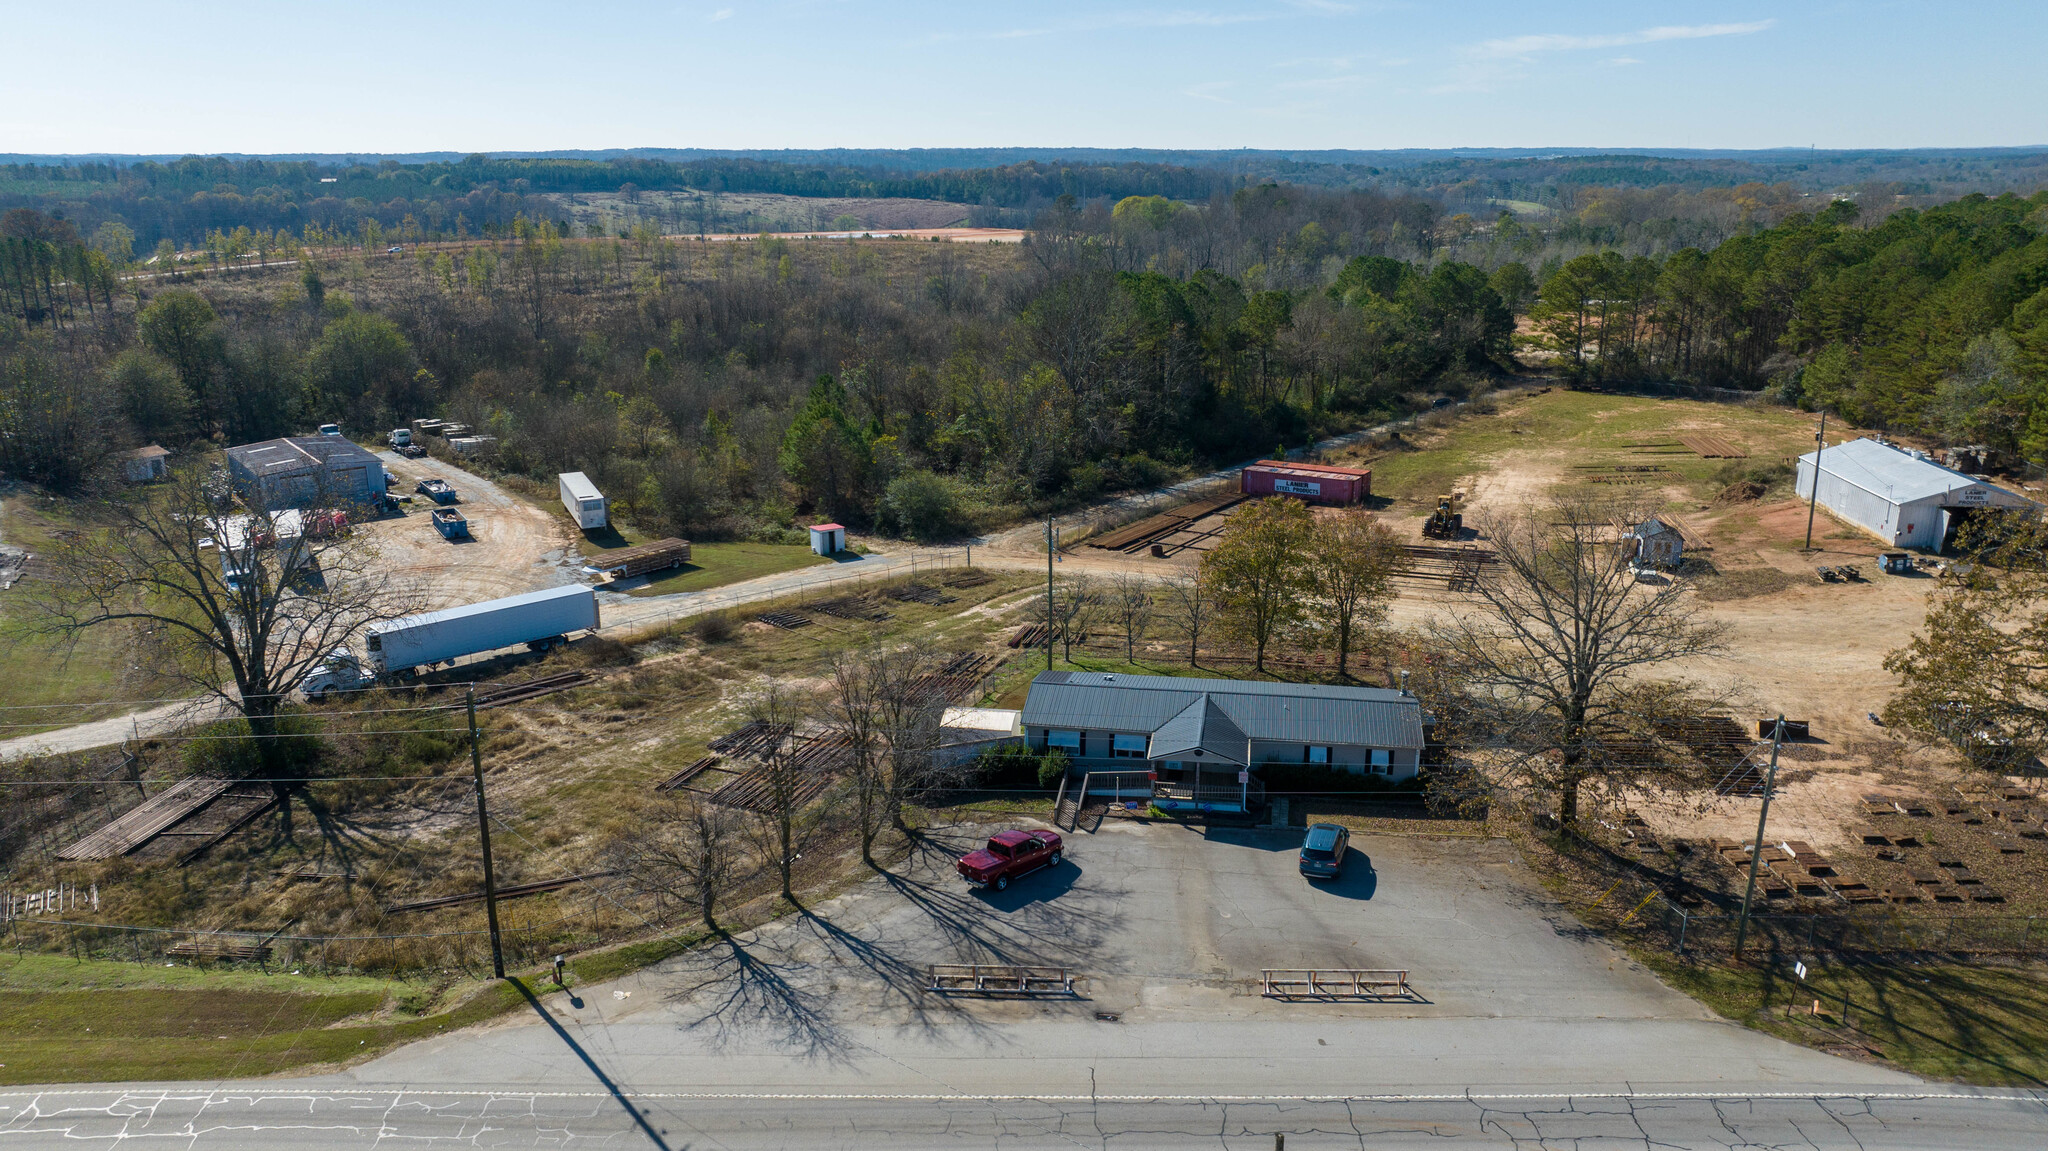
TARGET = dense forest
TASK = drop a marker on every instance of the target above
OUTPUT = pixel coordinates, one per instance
(726, 389)
(185, 200)
(1933, 323)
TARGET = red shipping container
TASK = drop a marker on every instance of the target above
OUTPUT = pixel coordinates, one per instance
(1315, 483)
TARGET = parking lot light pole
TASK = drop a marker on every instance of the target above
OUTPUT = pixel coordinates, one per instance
(1756, 850)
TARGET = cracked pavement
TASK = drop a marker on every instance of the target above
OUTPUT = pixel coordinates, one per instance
(811, 1032)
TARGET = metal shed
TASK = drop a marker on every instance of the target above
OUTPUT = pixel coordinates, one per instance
(1900, 496)
(1316, 483)
(306, 471)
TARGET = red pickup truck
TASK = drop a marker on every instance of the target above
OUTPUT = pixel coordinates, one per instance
(1009, 854)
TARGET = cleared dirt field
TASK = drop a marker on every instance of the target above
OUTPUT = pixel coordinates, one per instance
(515, 546)
(678, 211)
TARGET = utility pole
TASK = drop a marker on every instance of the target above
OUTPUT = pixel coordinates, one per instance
(1756, 850)
(1049, 549)
(1820, 443)
(483, 827)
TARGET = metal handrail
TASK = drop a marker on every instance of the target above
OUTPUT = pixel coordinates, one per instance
(998, 979)
(1334, 983)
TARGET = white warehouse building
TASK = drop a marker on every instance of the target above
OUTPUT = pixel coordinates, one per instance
(1901, 497)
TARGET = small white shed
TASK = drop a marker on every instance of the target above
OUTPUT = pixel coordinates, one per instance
(581, 499)
(146, 465)
(828, 539)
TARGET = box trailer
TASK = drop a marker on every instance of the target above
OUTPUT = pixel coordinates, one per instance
(1315, 483)
(581, 499)
(629, 562)
(537, 619)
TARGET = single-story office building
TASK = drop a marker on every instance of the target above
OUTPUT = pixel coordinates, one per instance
(1202, 741)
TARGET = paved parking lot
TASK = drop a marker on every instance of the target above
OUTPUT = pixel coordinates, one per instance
(1169, 927)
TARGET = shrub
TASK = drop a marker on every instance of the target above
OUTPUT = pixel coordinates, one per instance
(713, 627)
(1052, 767)
(1015, 767)
(225, 747)
(1316, 777)
(421, 748)
(925, 506)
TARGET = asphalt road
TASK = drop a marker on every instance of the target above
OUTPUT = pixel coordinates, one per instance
(812, 1032)
(258, 1117)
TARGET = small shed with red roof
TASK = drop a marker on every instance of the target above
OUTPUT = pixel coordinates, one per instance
(828, 539)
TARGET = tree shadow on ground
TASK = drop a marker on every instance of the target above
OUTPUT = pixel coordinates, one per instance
(735, 990)
(1028, 924)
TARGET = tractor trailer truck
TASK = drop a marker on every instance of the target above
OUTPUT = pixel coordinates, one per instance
(539, 619)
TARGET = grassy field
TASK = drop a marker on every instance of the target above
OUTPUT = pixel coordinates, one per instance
(711, 564)
(1549, 436)
(93, 1020)
(1973, 1023)
(96, 668)
(715, 565)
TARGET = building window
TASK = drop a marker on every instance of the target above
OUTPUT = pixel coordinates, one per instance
(1070, 740)
(1317, 755)
(1382, 761)
(1127, 746)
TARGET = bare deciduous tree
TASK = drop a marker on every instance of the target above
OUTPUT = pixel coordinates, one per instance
(1556, 647)
(1188, 609)
(687, 854)
(1074, 608)
(780, 830)
(856, 686)
(1130, 605)
(238, 605)
(908, 712)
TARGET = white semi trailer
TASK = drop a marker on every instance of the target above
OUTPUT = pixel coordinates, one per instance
(581, 499)
(539, 619)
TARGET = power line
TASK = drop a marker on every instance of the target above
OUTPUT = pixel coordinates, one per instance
(250, 779)
(33, 920)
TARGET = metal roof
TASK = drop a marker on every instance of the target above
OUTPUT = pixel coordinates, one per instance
(1307, 713)
(1294, 468)
(298, 453)
(579, 485)
(1884, 470)
(566, 591)
(1203, 728)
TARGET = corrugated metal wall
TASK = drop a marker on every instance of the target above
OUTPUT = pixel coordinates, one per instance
(1875, 513)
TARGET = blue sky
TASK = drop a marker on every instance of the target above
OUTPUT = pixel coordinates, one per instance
(119, 76)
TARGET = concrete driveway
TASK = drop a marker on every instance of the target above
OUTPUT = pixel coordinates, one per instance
(813, 1033)
(1169, 927)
